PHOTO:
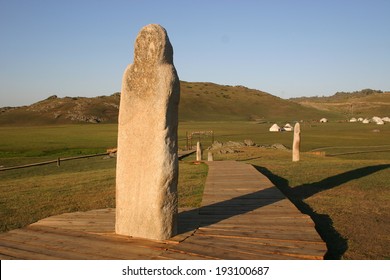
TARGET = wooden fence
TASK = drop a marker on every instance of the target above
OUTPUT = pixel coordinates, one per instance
(199, 135)
(57, 161)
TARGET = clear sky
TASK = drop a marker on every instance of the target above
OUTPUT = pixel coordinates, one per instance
(287, 48)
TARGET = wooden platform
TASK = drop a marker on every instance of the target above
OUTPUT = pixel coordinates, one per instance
(243, 216)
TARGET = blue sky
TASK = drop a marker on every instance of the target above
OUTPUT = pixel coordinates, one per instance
(286, 48)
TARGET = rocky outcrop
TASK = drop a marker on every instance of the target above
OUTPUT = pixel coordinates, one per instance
(231, 147)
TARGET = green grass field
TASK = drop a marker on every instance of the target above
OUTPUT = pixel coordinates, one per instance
(348, 196)
(328, 137)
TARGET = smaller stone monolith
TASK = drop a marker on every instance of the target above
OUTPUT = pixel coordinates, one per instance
(198, 151)
(210, 156)
(296, 142)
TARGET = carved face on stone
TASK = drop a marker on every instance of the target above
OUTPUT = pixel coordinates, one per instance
(152, 46)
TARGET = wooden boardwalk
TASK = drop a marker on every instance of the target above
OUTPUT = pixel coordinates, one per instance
(243, 216)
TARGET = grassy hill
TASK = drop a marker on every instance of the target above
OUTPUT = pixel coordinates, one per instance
(364, 103)
(54, 110)
(213, 102)
(199, 102)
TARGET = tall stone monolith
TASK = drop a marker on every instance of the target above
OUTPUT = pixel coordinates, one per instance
(147, 163)
(198, 151)
(296, 142)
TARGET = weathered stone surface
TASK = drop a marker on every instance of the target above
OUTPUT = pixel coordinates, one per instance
(234, 144)
(278, 146)
(198, 151)
(296, 142)
(228, 150)
(216, 145)
(147, 164)
(249, 142)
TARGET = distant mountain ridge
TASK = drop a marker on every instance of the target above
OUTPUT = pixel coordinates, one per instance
(340, 95)
(363, 103)
(199, 101)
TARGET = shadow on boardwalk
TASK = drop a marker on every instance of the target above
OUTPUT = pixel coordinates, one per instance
(337, 245)
(223, 210)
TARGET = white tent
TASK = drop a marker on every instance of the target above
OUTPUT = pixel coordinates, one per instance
(366, 121)
(380, 122)
(287, 127)
(360, 119)
(386, 119)
(323, 120)
(274, 128)
(353, 120)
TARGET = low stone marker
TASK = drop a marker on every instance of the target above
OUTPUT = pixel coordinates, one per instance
(210, 156)
(147, 156)
(198, 151)
(296, 142)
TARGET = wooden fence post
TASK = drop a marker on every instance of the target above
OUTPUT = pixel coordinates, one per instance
(188, 141)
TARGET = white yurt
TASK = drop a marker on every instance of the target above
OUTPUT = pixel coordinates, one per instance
(274, 128)
(287, 127)
(366, 121)
(380, 122)
(386, 119)
(323, 120)
(360, 119)
(353, 120)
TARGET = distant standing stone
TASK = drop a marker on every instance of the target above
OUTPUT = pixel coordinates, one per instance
(296, 142)
(147, 157)
(198, 151)
(210, 156)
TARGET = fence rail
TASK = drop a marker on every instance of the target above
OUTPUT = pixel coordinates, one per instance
(57, 161)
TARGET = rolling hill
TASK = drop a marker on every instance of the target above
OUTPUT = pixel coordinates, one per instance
(364, 103)
(200, 101)
(209, 101)
(54, 110)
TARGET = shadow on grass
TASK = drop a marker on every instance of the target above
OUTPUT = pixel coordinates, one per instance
(337, 245)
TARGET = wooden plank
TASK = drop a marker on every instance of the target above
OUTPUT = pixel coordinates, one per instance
(95, 237)
(285, 207)
(56, 248)
(264, 226)
(18, 252)
(42, 248)
(174, 254)
(7, 257)
(289, 251)
(98, 246)
(225, 252)
(308, 236)
(252, 200)
(259, 238)
(257, 214)
(245, 218)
